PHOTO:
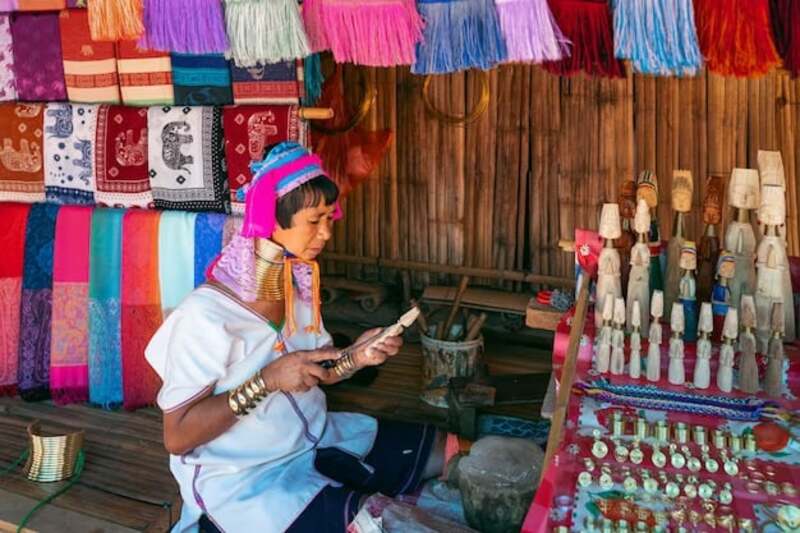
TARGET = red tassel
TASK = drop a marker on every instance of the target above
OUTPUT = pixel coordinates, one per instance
(588, 24)
(786, 30)
(736, 36)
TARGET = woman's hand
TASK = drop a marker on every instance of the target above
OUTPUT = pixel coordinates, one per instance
(297, 371)
(376, 354)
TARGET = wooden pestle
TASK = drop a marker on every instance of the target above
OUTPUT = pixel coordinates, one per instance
(462, 286)
(475, 330)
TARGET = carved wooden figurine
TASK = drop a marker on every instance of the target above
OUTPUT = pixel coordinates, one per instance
(773, 384)
(702, 366)
(688, 290)
(654, 349)
(609, 284)
(635, 364)
(708, 251)
(604, 338)
(770, 167)
(748, 366)
(677, 373)
(639, 277)
(647, 189)
(740, 239)
(627, 212)
(726, 352)
(618, 338)
(721, 296)
(682, 188)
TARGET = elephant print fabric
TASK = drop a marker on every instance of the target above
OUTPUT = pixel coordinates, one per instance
(69, 146)
(249, 130)
(21, 141)
(186, 160)
(121, 164)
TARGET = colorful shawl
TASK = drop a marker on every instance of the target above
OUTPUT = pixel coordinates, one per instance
(145, 76)
(248, 131)
(141, 305)
(190, 26)
(39, 67)
(175, 258)
(90, 67)
(13, 218)
(41, 5)
(69, 345)
(121, 158)
(33, 372)
(278, 83)
(786, 30)
(8, 86)
(201, 79)
(8, 5)
(187, 167)
(69, 140)
(208, 234)
(105, 258)
(21, 169)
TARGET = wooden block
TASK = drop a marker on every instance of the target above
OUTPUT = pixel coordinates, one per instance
(538, 316)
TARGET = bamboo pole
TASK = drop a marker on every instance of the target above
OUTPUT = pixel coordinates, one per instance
(316, 113)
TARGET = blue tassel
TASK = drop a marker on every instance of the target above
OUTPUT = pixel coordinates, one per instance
(459, 34)
(313, 79)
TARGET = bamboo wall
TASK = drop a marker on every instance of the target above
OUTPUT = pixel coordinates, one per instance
(501, 192)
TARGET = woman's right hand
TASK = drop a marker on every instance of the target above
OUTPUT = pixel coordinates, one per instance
(297, 371)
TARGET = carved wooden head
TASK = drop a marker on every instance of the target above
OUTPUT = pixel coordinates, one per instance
(688, 259)
(726, 266)
(712, 202)
(627, 199)
(772, 210)
(647, 188)
(770, 166)
(743, 188)
(610, 222)
(682, 189)
(641, 221)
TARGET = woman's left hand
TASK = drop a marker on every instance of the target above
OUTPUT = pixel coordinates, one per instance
(376, 354)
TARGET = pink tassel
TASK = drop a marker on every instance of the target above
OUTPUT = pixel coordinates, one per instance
(315, 28)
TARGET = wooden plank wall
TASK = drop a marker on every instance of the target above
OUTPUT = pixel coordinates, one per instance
(501, 192)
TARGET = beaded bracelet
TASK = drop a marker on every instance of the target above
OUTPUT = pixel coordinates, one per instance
(247, 395)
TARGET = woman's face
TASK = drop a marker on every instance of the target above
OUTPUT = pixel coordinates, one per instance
(310, 230)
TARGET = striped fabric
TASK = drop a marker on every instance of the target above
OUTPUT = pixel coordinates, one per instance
(90, 67)
(145, 76)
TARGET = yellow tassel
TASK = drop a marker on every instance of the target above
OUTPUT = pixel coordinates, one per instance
(115, 20)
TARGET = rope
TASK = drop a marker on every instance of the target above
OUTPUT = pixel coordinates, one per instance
(15, 464)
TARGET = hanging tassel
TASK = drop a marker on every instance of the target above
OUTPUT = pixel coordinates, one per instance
(736, 36)
(587, 23)
(459, 34)
(185, 26)
(531, 33)
(312, 79)
(786, 30)
(115, 20)
(315, 27)
(265, 31)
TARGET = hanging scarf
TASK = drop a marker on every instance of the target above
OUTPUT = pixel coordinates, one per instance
(8, 86)
(278, 83)
(786, 30)
(312, 79)
(201, 79)
(141, 305)
(459, 34)
(69, 345)
(69, 140)
(21, 168)
(187, 169)
(248, 131)
(145, 76)
(8, 5)
(90, 67)
(208, 230)
(265, 31)
(588, 25)
(658, 37)
(175, 258)
(114, 20)
(39, 68)
(41, 5)
(121, 161)
(189, 26)
(105, 359)
(13, 218)
(736, 37)
(33, 372)
(378, 33)
(530, 31)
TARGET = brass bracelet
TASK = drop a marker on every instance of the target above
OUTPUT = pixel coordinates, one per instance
(247, 395)
(345, 366)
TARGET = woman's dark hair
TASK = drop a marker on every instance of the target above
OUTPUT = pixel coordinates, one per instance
(308, 194)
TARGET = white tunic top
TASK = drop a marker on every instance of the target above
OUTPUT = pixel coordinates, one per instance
(260, 473)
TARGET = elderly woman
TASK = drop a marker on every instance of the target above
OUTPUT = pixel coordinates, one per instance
(252, 444)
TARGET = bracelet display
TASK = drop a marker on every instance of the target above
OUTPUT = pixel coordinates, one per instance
(246, 396)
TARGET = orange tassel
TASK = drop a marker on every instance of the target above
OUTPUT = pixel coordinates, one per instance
(288, 296)
(115, 20)
(288, 289)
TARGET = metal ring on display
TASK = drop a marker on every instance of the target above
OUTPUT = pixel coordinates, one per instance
(459, 120)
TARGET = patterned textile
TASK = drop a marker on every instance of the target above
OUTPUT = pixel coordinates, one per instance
(69, 344)
(41, 5)
(13, 218)
(141, 305)
(21, 169)
(8, 86)
(187, 168)
(33, 372)
(249, 130)
(121, 157)
(39, 67)
(175, 258)
(278, 83)
(145, 76)
(69, 141)
(90, 67)
(208, 233)
(105, 258)
(201, 79)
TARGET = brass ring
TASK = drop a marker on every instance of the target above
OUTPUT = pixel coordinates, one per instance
(367, 100)
(459, 120)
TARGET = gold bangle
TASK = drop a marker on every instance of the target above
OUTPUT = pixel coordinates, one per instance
(459, 120)
(234, 405)
(370, 92)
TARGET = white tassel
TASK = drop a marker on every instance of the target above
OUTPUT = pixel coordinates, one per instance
(265, 31)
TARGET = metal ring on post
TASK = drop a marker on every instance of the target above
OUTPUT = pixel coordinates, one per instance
(459, 120)
(370, 92)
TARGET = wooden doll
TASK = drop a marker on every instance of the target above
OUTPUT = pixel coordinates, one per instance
(677, 372)
(682, 188)
(702, 366)
(647, 189)
(721, 295)
(770, 167)
(639, 277)
(708, 250)
(688, 290)
(635, 364)
(726, 353)
(654, 349)
(773, 384)
(609, 284)
(748, 366)
(740, 239)
(604, 338)
(627, 212)
(618, 338)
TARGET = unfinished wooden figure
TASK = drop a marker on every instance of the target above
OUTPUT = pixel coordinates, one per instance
(618, 338)
(635, 363)
(702, 365)
(773, 384)
(740, 239)
(748, 367)
(677, 373)
(682, 188)
(609, 283)
(604, 338)
(726, 353)
(688, 288)
(654, 349)
(708, 250)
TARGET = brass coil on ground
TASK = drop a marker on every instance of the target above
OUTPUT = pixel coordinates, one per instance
(52, 457)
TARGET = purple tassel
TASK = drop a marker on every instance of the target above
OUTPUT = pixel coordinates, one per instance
(184, 26)
(531, 31)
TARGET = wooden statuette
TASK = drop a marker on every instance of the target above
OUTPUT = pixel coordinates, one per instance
(609, 281)
(639, 276)
(740, 239)
(604, 339)
(721, 295)
(654, 349)
(702, 366)
(677, 372)
(618, 338)
(770, 167)
(647, 190)
(773, 384)
(635, 364)
(730, 331)
(688, 290)
(709, 248)
(748, 367)
(682, 188)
